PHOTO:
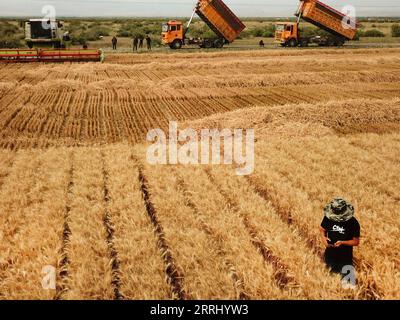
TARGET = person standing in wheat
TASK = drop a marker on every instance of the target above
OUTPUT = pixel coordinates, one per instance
(135, 43)
(148, 42)
(114, 42)
(141, 39)
(340, 232)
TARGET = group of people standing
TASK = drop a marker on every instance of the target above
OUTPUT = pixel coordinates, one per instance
(138, 42)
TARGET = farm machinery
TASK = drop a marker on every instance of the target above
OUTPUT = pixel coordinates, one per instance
(51, 55)
(46, 33)
(218, 17)
(48, 42)
(339, 27)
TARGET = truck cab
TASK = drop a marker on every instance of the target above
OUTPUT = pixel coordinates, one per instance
(173, 34)
(287, 34)
(216, 15)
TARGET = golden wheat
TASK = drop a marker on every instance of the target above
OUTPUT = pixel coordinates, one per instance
(77, 194)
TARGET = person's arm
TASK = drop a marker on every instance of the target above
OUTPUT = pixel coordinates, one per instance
(350, 243)
(355, 242)
(325, 239)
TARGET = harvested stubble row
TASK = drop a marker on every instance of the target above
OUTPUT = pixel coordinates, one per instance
(75, 104)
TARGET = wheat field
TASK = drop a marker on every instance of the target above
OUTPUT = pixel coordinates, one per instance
(77, 193)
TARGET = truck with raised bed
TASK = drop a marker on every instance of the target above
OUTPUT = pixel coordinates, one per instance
(338, 26)
(218, 17)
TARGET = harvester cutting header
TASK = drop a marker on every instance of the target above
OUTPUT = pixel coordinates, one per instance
(218, 17)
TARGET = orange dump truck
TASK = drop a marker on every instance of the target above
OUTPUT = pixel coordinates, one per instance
(340, 28)
(219, 18)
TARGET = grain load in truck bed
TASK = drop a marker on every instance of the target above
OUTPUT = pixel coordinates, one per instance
(327, 18)
(220, 19)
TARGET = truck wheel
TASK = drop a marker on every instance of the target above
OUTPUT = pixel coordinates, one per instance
(304, 43)
(177, 44)
(292, 43)
(339, 43)
(331, 42)
(208, 44)
(218, 43)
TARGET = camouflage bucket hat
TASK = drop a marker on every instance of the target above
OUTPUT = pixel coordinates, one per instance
(339, 210)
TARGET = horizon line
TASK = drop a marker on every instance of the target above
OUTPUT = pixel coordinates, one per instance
(167, 16)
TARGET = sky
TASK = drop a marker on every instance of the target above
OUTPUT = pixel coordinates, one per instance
(182, 8)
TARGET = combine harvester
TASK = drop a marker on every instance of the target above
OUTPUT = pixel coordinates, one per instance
(47, 42)
(219, 18)
(340, 27)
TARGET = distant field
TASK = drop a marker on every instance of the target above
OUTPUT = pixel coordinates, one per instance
(89, 30)
(76, 192)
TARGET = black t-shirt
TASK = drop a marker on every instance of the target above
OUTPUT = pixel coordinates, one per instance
(341, 231)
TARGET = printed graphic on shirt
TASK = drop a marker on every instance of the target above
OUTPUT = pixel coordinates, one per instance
(339, 229)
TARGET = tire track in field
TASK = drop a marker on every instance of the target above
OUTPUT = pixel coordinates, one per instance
(238, 282)
(64, 262)
(282, 277)
(369, 290)
(286, 216)
(109, 228)
(175, 278)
